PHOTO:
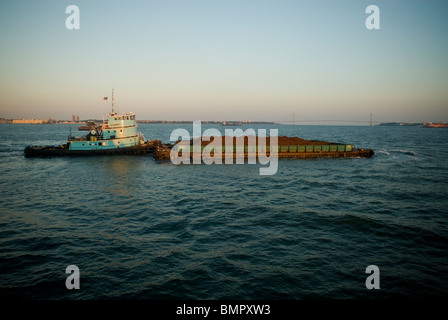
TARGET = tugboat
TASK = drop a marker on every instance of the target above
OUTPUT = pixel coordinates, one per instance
(117, 135)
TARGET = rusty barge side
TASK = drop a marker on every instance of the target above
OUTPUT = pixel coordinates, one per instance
(164, 153)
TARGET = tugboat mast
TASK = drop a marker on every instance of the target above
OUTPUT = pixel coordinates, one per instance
(113, 101)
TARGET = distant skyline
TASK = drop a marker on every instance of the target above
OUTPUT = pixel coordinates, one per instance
(259, 60)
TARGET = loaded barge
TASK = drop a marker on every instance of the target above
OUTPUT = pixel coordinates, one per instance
(287, 147)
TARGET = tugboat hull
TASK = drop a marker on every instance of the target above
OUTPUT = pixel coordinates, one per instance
(63, 151)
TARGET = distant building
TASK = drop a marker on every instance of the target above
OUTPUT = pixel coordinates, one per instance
(77, 118)
(33, 121)
(73, 118)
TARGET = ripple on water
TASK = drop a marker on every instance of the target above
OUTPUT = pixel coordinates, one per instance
(140, 229)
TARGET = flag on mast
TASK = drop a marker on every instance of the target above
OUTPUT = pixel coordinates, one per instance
(105, 98)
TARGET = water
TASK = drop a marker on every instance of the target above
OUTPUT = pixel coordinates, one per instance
(141, 229)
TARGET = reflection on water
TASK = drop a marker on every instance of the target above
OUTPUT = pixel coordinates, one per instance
(118, 173)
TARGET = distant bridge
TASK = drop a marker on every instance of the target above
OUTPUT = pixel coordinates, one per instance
(357, 121)
(293, 121)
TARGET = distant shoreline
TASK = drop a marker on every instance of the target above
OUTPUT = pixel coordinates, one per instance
(416, 124)
(81, 122)
(215, 122)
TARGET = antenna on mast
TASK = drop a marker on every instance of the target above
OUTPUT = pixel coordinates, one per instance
(112, 100)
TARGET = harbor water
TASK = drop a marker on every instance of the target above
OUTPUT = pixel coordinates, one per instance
(141, 229)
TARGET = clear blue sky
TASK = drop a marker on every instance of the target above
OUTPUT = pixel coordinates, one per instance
(232, 59)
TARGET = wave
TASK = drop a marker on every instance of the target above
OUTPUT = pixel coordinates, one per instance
(401, 154)
(10, 152)
(383, 152)
(408, 153)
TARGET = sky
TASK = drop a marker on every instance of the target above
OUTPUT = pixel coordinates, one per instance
(259, 60)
